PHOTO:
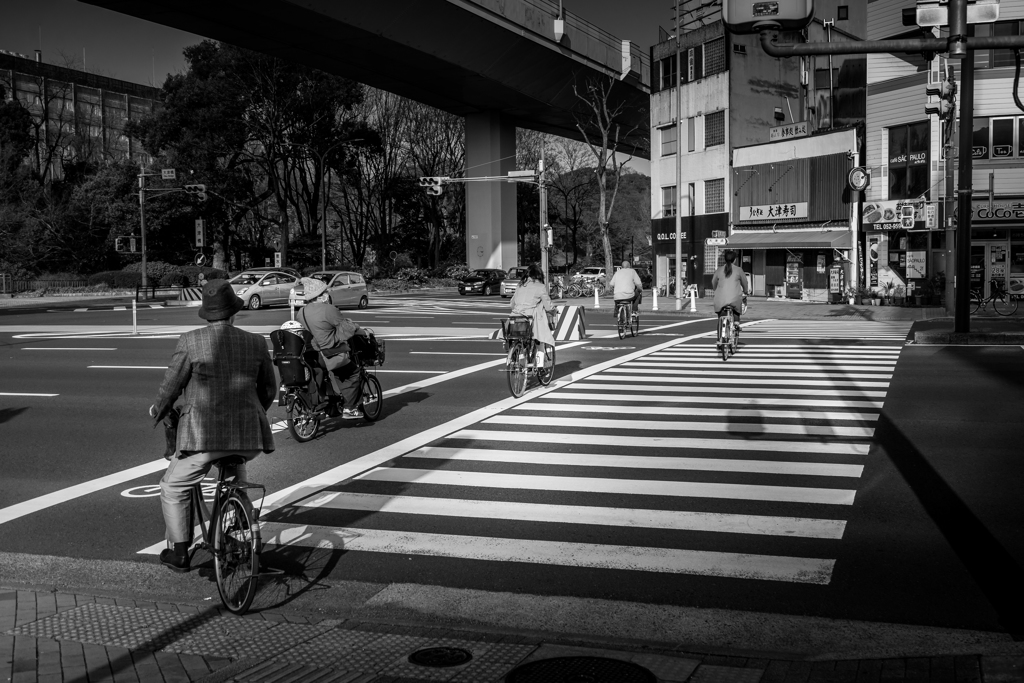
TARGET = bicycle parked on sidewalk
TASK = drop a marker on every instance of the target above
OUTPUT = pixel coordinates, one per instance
(231, 533)
(1002, 302)
(521, 362)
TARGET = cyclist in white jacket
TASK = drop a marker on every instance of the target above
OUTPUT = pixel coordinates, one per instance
(626, 287)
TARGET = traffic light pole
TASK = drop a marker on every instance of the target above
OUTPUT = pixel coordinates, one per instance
(962, 285)
(542, 200)
(142, 220)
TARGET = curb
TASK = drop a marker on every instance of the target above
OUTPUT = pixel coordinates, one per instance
(970, 338)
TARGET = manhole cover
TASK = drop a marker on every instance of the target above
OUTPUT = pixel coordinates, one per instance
(440, 657)
(580, 670)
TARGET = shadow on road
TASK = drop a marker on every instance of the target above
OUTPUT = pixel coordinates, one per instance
(8, 414)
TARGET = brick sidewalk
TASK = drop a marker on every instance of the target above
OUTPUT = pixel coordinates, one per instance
(62, 638)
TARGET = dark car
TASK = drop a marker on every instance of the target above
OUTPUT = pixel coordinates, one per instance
(485, 281)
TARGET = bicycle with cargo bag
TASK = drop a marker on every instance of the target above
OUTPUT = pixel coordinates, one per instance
(526, 356)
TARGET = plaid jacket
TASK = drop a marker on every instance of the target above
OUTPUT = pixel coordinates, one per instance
(228, 382)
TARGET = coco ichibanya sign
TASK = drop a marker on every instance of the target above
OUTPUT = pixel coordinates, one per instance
(773, 211)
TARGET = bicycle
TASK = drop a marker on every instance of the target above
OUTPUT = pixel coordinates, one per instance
(307, 393)
(1002, 302)
(728, 332)
(632, 323)
(520, 363)
(231, 533)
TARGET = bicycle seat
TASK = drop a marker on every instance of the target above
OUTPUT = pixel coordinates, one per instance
(230, 461)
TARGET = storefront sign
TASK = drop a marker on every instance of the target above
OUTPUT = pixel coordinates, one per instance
(1002, 212)
(873, 247)
(662, 236)
(821, 263)
(791, 130)
(835, 279)
(916, 261)
(794, 262)
(754, 213)
(886, 215)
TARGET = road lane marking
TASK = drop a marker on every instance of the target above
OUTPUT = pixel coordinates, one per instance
(127, 367)
(817, 469)
(731, 400)
(682, 426)
(654, 388)
(415, 372)
(558, 553)
(703, 412)
(796, 366)
(727, 371)
(455, 353)
(5, 393)
(676, 520)
(69, 348)
(745, 380)
(28, 507)
(742, 444)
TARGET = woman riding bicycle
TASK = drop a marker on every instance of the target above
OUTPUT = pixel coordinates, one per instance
(531, 299)
(730, 285)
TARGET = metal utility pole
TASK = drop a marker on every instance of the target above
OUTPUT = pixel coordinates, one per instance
(142, 220)
(542, 201)
(679, 166)
(962, 313)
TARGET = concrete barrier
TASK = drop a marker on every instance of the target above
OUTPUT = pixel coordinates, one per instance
(190, 294)
(570, 323)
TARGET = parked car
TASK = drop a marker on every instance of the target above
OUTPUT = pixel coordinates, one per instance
(344, 287)
(592, 273)
(271, 269)
(485, 281)
(511, 283)
(259, 288)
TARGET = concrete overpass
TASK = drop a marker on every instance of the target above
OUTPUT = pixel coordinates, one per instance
(495, 62)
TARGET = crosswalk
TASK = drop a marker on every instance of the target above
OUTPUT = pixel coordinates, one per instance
(746, 469)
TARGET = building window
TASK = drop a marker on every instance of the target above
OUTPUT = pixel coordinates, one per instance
(980, 141)
(995, 58)
(691, 134)
(668, 72)
(908, 161)
(714, 129)
(739, 49)
(714, 57)
(843, 12)
(668, 201)
(714, 195)
(668, 141)
(1002, 138)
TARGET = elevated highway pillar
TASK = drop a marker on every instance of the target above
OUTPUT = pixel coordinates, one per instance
(490, 206)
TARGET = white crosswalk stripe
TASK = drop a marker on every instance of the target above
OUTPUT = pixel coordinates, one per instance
(712, 455)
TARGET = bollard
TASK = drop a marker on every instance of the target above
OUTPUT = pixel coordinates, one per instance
(135, 328)
(291, 308)
(597, 298)
(654, 291)
(693, 298)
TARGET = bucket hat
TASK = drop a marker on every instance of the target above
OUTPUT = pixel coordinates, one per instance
(312, 288)
(219, 301)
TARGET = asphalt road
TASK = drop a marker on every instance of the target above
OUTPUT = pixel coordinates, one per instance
(658, 475)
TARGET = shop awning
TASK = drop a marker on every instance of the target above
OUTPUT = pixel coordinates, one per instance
(832, 239)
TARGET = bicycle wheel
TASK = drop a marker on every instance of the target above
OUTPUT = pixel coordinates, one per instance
(547, 373)
(302, 422)
(634, 324)
(726, 338)
(516, 367)
(373, 399)
(1004, 305)
(975, 302)
(621, 320)
(236, 552)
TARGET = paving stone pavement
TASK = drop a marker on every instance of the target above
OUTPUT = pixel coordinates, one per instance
(50, 637)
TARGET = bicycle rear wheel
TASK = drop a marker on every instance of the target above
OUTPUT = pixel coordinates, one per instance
(621, 322)
(236, 552)
(726, 337)
(634, 324)
(975, 302)
(1004, 305)
(547, 373)
(516, 368)
(373, 399)
(302, 422)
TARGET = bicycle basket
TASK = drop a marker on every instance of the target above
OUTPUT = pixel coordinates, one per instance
(517, 328)
(369, 348)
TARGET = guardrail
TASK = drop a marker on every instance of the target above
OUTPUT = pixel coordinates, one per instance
(8, 285)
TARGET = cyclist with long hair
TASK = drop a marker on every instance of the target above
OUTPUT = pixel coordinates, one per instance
(531, 299)
(730, 285)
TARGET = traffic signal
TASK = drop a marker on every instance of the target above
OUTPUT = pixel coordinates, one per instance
(549, 236)
(198, 191)
(432, 184)
(120, 244)
(945, 90)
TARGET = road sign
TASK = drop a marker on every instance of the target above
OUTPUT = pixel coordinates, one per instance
(168, 174)
(200, 233)
(907, 217)
(716, 241)
(277, 259)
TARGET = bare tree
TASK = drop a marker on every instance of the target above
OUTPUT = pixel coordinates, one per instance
(597, 120)
(571, 191)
